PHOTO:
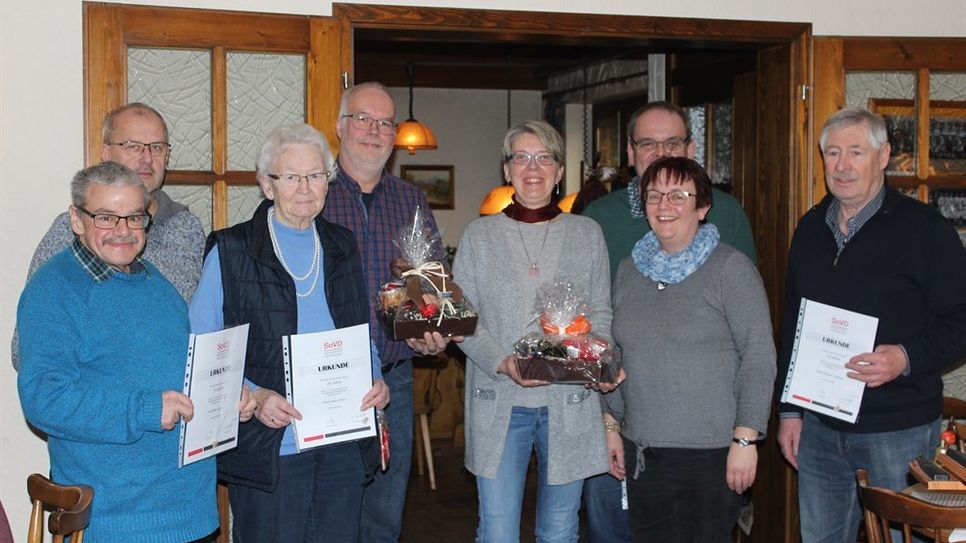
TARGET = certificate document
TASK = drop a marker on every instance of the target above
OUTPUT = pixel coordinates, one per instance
(825, 339)
(213, 380)
(326, 376)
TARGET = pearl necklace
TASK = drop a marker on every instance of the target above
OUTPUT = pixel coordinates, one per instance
(281, 259)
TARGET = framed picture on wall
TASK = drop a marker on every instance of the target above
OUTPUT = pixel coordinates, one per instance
(436, 182)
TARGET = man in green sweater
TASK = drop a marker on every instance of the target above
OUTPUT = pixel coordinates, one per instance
(656, 130)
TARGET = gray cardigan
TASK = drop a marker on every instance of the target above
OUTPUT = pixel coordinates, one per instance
(699, 355)
(492, 268)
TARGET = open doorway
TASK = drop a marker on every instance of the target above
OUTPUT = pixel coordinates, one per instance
(761, 68)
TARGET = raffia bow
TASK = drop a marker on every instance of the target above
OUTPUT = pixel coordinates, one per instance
(436, 274)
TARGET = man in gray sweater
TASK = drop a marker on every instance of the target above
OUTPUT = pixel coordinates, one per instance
(137, 136)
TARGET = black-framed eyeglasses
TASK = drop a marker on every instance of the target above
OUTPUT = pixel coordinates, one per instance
(524, 159)
(108, 221)
(675, 197)
(363, 121)
(670, 145)
(292, 179)
(131, 147)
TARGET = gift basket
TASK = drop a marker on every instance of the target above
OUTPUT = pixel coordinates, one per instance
(402, 307)
(566, 351)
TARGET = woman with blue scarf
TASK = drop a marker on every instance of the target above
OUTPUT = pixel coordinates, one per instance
(691, 317)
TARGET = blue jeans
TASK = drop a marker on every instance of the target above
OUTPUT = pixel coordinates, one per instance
(384, 498)
(606, 519)
(501, 499)
(828, 498)
(317, 500)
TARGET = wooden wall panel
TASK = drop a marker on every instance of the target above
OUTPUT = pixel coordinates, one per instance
(327, 61)
(105, 84)
(828, 97)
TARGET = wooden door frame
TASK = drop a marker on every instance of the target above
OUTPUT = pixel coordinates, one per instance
(791, 177)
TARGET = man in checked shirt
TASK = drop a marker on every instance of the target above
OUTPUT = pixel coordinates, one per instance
(375, 205)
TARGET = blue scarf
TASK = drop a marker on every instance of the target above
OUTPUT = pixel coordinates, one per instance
(660, 266)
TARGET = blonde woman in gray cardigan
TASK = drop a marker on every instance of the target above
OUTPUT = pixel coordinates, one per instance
(501, 261)
(691, 318)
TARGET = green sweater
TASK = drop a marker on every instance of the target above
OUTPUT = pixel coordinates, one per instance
(622, 231)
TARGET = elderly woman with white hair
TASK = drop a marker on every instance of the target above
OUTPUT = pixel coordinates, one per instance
(286, 271)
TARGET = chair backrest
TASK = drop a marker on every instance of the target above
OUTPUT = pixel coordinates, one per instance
(70, 505)
(883, 506)
(954, 407)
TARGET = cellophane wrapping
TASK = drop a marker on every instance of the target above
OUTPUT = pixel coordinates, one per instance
(566, 351)
(401, 305)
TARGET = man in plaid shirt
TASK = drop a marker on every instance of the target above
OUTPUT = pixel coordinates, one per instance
(375, 205)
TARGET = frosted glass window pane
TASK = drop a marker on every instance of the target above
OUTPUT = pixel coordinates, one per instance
(947, 123)
(242, 201)
(265, 91)
(947, 86)
(860, 86)
(177, 83)
(197, 198)
(697, 117)
(865, 89)
(722, 133)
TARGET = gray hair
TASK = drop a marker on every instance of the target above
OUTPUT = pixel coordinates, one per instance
(351, 91)
(108, 173)
(107, 127)
(547, 135)
(667, 107)
(853, 116)
(297, 134)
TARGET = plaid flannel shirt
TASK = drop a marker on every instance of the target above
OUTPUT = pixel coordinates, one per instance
(392, 208)
(99, 270)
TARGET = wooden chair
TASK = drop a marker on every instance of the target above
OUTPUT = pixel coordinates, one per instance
(882, 506)
(70, 505)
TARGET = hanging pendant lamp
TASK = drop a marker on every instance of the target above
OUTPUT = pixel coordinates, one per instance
(413, 135)
(500, 197)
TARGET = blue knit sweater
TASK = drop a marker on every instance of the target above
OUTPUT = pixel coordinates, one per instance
(95, 358)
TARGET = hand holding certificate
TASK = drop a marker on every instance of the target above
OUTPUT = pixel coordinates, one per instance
(826, 340)
(213, 381)
(328, 375)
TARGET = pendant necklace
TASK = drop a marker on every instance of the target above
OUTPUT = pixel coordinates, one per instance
(281, 259)
(533, 271)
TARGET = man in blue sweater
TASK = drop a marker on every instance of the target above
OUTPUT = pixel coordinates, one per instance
(103, 340)
(867, 248)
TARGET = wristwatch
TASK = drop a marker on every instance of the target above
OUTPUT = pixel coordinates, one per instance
(743, 442)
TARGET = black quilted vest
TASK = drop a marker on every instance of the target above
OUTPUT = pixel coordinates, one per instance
(259, 291)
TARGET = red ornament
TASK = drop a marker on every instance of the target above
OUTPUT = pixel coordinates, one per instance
(948, 437)
(429, 310)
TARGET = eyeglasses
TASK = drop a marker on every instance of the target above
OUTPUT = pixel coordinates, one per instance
(108, 221)
(292, 179)
(362, 121)
(675, 197)
(134, 148)
(524, 159)
(670, 145)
